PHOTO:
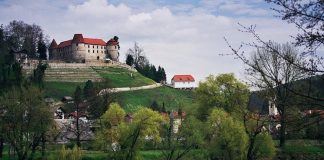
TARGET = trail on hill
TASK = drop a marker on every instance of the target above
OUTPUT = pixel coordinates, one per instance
(125, 89)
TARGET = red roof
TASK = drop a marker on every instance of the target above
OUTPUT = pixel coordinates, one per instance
(78, 38)
(94, 41)
(65, 44)
(53, 44)
(112, 42)
(183, 78)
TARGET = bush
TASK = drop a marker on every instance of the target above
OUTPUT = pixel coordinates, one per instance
(265, 147)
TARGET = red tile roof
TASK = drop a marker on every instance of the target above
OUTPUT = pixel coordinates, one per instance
(53, 44)
(94, 41)
(64, 44)
(78, 38)
(183, 78)
(91, 41)
(112, 42)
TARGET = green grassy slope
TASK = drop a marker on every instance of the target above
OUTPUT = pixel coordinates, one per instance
(121, 77)
(59, 89)
(172, 99)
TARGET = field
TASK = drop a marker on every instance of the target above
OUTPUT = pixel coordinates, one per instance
(172, 99)
(117, 77)
(121, 77)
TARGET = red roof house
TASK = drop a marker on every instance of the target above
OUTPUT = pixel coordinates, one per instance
(183, 82)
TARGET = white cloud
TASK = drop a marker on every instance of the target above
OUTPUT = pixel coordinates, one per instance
(184, 43)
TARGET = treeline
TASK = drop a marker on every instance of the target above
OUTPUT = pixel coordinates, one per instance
(18, 36)
(136, 58)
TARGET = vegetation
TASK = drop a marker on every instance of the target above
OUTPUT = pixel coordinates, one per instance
(171, 98)
(121, 77)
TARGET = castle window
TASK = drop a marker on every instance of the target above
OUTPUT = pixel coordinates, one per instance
(101, 51)
(115, 47)
(97, 47)
(88, 46)
(93, 46)
(101, 47)
(77, 44)
(93, 51)
(97, 51)
(88, 51)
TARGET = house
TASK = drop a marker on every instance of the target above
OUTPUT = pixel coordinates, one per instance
(59, 113)
(21, 56)
(183, 82)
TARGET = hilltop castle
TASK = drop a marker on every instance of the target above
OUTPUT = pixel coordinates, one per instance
(82, 50)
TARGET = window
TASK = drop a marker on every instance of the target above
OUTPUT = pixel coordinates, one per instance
(101, 47)
(97, 47)
(93, 46)
(97, 51)
(93, 51)
(101, 51)
(77, 44)
(88, 51)
(88, 46)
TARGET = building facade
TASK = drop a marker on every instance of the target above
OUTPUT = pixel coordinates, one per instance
(81, 50)
(183, 82)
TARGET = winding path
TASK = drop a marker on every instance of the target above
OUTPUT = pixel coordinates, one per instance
(125, 89)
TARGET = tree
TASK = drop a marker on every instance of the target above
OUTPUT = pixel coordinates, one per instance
(137, 53)
(112, 123)
(146, 124)
(41, 47)
(20, 35)
(77, 102)
(31, 119)
(227, 139)
(129, 60)
(223, 91)
(155, 106)
(307, 16)
(189, 136)
(88, 90)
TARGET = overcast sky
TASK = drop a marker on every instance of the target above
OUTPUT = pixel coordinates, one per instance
(183, 36)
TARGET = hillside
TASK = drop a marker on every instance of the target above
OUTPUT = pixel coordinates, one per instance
(172, 99)
(312, 86)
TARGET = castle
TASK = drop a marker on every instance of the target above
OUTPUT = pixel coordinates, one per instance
(82, 50)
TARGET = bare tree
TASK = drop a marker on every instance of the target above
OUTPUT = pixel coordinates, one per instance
(138, 55)
(273, 68)
(308, 16)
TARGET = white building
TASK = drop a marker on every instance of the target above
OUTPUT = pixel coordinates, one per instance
(183, 82)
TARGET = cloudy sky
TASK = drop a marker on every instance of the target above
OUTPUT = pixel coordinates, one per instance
(183, 36)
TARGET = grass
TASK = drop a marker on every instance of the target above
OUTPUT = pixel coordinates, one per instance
(57, 90)
(121, 77)
(172, 99)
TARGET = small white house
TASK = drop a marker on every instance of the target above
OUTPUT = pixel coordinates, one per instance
(183, 82)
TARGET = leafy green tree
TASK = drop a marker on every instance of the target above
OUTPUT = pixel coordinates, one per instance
(227, 138)
(25, 118)
(112, 123)
(265, 146)
(189, 136)
(223, 91)
(145, 125)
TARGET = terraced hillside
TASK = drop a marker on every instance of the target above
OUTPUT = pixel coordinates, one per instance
(71, 75)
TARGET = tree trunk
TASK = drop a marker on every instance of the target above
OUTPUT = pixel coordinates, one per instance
(77, 126)
(43, 146)
(282, 131)
(1, 146)
(250, 155)
(282, 139)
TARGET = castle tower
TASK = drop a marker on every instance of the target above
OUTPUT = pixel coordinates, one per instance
(112, 48)
(52, 50)
(78, 48)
